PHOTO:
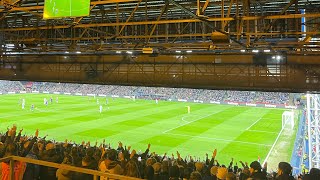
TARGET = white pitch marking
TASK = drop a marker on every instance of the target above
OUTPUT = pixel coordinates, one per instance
(272, 147)
(188, 123)
(254, 123)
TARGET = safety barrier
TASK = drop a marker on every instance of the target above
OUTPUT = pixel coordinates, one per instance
(96, 174)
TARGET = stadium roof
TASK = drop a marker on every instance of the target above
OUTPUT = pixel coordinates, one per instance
(227, 26)
(214, 44)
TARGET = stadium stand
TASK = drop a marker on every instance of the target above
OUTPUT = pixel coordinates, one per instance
(124, 160)
(10, 86)
(275, 98)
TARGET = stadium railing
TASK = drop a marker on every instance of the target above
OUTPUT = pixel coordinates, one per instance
(296, 160)
(96, 174)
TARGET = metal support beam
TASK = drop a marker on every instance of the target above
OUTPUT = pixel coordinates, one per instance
(131, 15)
(201, 71)
(205, 21)
(313, 117)
(272, 23)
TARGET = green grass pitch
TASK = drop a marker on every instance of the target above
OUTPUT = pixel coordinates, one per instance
(66, 8)
(243, 133)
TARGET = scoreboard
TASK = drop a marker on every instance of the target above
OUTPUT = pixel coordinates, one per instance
(66, 8)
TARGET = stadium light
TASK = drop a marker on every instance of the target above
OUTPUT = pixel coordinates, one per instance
(129, 52)
(118, 52)
(243, 50)
(9, 45)
(267, 50)
(278, 57)
(178, 51)
(255, 51)
(66, 52)
(189, 51)
(78, 52)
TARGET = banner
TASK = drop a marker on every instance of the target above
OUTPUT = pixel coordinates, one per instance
(35, 92)
(23, 92)
(78, 94)
(11, 92)
(215, 102)
(270, 105)
(182, 100)
(249, 104)
(67, 93)
(55, 92)
(233, 103)
(102, 95)
(115, 96)
(290, 107)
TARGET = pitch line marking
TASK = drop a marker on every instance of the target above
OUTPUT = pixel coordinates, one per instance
(254, 123)
(219, 139)
(188, 122)
(262, 131)
(274, 144)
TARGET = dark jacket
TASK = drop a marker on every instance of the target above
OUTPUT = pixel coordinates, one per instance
(32, 170)
(259, 175)
(48, 173)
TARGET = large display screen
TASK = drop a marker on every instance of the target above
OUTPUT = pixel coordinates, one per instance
(66, 8)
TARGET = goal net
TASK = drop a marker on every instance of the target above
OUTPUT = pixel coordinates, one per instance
(288, 120)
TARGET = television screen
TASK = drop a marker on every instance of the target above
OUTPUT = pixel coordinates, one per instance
(66, 8)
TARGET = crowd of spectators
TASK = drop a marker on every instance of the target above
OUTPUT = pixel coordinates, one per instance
(187, 94)
(124, 160)
(213, 95)
(240, 96)
(172, 93)
(10, 86)
(156, 92)
(269, 97)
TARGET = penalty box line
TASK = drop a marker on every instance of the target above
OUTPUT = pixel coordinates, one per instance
(254, 123)
(248, 128)
(189, 122)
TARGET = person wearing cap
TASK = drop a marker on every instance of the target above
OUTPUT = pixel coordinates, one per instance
(284, 171)
(256, 171)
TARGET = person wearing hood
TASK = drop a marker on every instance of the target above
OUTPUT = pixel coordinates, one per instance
(110, 164)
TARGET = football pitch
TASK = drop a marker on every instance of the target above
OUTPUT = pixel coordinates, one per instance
(243, 133)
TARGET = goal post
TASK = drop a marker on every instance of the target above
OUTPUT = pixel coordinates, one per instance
(288, 120)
